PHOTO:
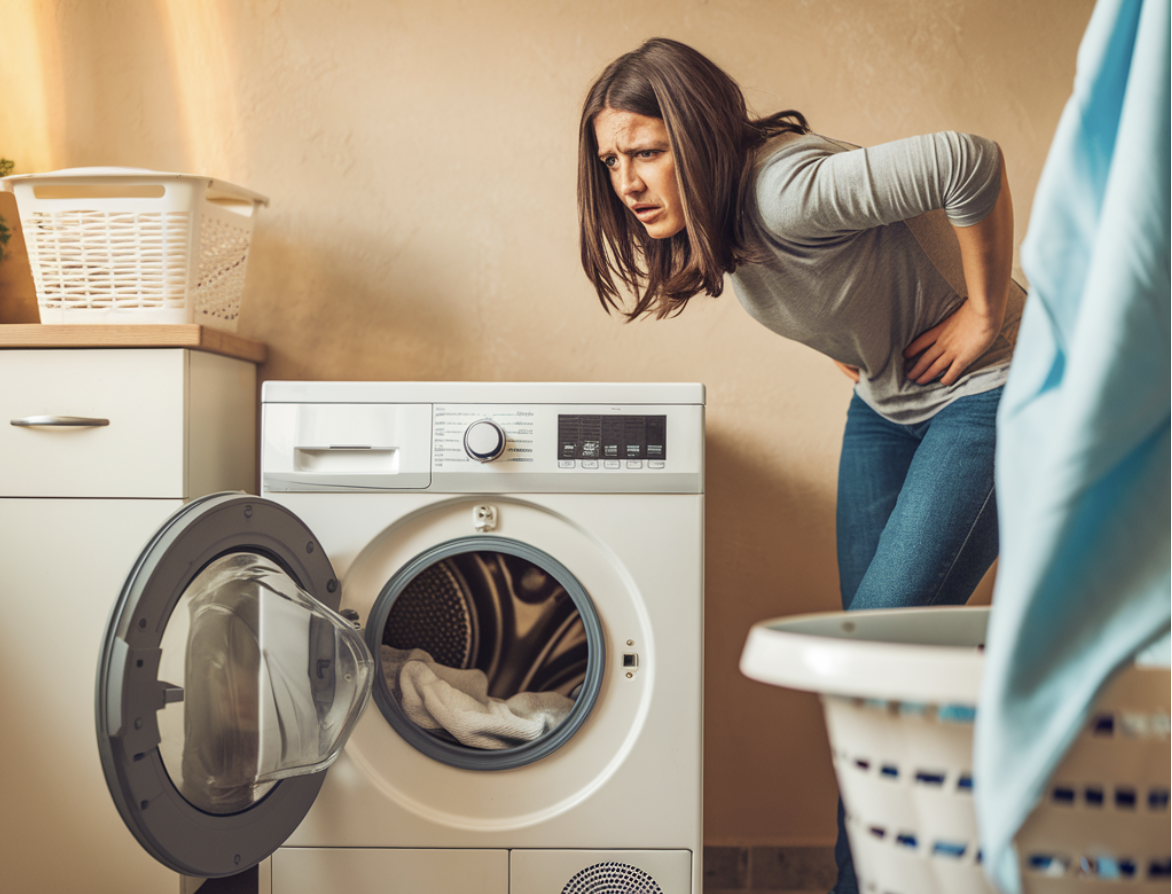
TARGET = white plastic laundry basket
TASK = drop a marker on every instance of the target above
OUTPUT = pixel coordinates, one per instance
(128, 245)
(899, 689)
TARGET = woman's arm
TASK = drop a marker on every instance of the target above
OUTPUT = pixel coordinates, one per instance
(986, 250)
(818, 189)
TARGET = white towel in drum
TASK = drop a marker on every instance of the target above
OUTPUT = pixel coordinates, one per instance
(435, 697)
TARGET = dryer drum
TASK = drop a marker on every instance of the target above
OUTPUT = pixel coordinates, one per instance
(484, 649)
(499, 613)
(435, 613)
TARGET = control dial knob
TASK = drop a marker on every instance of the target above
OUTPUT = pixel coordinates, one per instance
(484, 440)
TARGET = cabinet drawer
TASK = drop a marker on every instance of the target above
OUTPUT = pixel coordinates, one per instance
(140, 453)
(296, 870)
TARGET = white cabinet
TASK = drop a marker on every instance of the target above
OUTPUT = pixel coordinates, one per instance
(77, 504)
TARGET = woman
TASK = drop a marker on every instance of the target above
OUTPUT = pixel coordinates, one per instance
(846, 250)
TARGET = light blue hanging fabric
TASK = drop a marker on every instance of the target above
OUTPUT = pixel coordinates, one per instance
(1083, 441)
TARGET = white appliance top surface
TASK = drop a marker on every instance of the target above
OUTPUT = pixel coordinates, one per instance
(627, 393)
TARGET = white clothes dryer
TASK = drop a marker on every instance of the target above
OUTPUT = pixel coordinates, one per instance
(479, 605)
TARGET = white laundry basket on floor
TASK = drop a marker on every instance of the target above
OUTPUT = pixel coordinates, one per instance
(899, 689)
(129, 245)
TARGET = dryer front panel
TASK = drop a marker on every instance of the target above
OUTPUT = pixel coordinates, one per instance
(389, 791)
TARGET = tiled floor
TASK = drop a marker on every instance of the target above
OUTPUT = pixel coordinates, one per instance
(768, 870)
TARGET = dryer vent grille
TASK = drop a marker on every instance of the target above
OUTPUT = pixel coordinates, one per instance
(612, 878)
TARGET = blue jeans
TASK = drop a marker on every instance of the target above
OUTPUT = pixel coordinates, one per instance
(916, 519)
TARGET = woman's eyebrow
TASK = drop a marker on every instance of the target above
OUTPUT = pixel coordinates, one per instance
(634, 148)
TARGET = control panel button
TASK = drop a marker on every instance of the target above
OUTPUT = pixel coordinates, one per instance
(635, 464)
(612, 464)
(655, 464)
(484, 440)
(566, 464)
(589, 464)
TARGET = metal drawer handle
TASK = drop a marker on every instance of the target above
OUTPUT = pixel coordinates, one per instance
(60, 420)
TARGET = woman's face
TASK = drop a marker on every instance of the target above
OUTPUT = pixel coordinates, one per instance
(636, 151)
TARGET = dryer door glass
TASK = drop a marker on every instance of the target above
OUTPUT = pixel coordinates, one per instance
(272, 683)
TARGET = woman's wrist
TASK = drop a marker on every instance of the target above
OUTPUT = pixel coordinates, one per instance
(988, 312)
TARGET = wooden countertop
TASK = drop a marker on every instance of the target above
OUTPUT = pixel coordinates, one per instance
(199, 338)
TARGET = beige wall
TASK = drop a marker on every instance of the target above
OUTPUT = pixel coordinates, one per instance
(420, 160)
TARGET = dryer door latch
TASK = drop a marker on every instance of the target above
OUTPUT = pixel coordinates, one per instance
(484, 518)
(630, 663)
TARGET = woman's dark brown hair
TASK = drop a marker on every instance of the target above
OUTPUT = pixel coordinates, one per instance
(711, 138)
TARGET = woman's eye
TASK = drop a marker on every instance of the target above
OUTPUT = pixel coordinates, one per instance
(610, 161)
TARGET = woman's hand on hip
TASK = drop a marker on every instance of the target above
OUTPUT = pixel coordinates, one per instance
(946, 350)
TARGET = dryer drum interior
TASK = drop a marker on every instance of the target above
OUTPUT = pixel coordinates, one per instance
(490, 652)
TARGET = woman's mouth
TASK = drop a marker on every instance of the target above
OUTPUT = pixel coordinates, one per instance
(645, 212)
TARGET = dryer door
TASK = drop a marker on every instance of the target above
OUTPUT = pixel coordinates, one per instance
(227, 684)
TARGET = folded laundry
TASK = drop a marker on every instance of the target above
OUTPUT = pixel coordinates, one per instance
(435, 698)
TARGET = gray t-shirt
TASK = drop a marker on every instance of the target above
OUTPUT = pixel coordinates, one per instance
(857, 256)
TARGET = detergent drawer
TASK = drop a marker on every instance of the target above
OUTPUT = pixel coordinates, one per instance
(345, 448)
(312, 870)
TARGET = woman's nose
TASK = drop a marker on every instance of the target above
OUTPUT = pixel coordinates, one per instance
(629, 181)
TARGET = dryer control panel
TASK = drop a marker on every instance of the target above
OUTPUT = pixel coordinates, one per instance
(566, 447)
(351, 442)
(612, 439)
